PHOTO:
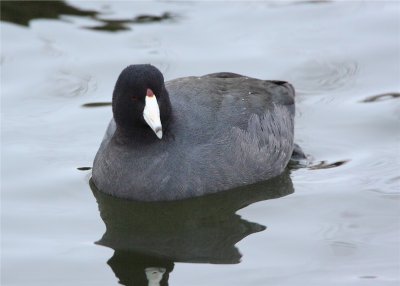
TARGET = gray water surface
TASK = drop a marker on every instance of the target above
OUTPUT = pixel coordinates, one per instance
(335, 222)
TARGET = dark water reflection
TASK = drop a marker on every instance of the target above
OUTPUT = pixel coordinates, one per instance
(22, 12)
(380, 97)
(148, 238)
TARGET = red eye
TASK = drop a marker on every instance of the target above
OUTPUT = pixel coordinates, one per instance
(134, 97)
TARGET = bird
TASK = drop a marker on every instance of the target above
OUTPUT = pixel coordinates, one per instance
(193, 136)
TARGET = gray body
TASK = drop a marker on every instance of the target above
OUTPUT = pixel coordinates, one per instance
(227, 131)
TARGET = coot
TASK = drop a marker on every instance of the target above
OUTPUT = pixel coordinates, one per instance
(193, 136)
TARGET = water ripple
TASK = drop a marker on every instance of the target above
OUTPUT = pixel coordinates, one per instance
(318, 76)
(343, 248)
(67, 84)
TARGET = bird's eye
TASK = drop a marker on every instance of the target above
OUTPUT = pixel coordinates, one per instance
(135, 97)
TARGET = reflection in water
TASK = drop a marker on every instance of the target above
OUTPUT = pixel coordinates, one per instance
(155, 275)
(326, 165)
(119, 25)
(133, 268)
(84, 168)
(384, 96)
(22, 12)
(149, 237)
(97, 104)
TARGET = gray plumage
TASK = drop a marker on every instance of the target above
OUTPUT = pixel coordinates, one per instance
(224, 131)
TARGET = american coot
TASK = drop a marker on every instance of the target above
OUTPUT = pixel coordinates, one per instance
(193, 136)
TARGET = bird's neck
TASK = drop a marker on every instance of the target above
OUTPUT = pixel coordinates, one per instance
(143, 134)
(127, 136)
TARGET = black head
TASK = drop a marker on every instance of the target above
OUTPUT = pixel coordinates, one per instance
(135, 85)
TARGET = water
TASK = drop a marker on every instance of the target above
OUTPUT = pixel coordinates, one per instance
(334, 223)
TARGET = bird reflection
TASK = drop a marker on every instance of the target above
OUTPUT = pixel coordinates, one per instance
(149, 237)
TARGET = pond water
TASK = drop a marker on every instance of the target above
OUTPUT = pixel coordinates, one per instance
(335, 222)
